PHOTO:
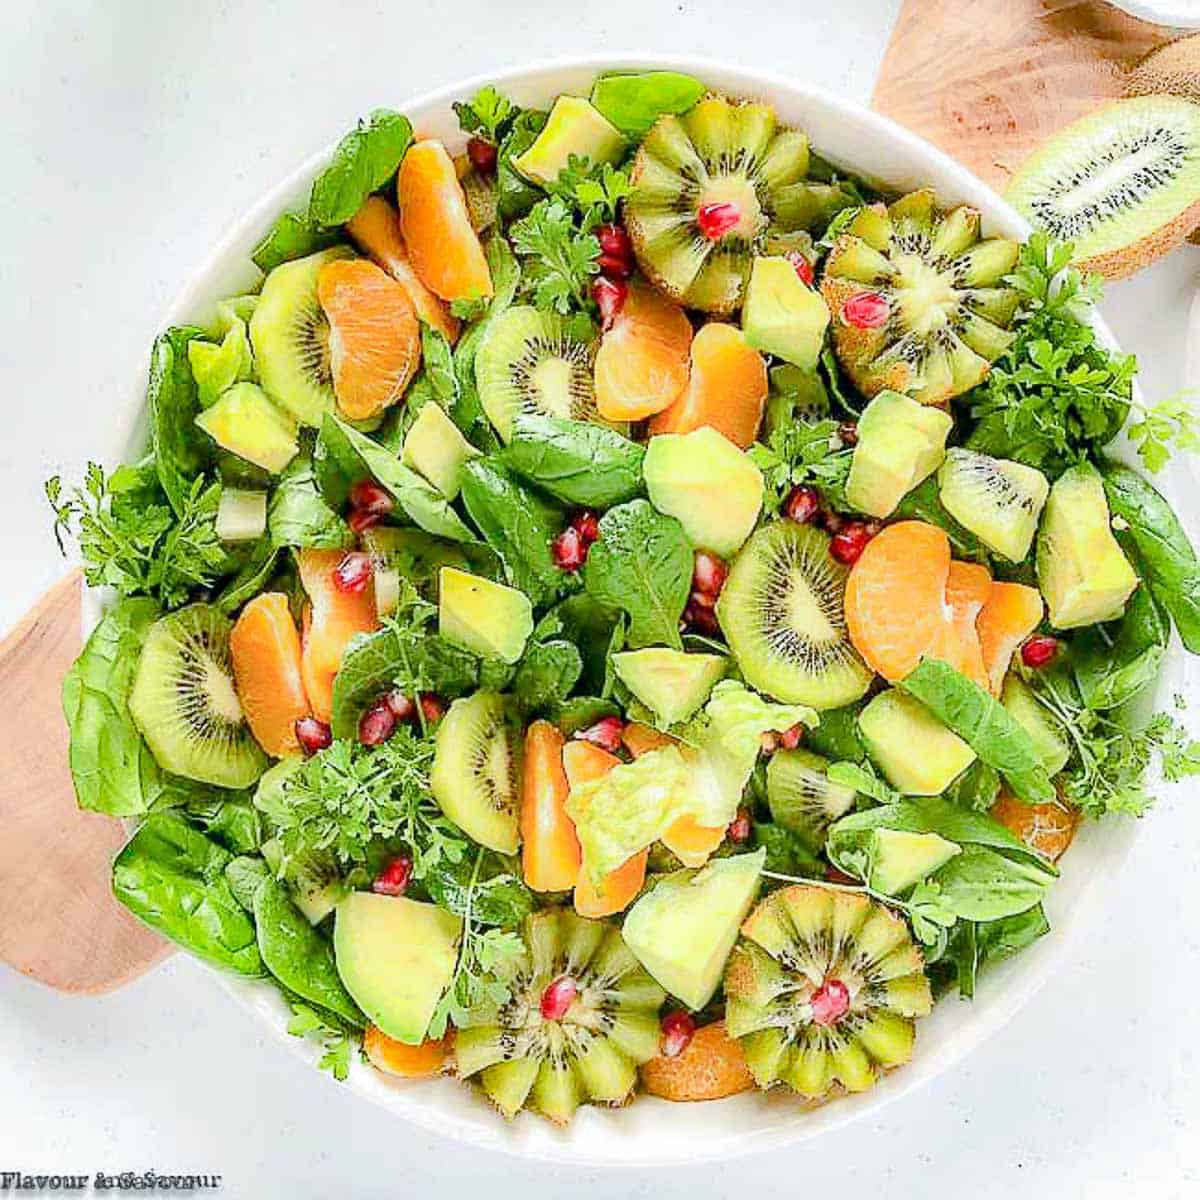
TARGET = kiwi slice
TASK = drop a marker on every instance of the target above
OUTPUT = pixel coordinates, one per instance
(476, 776)
(822, 989)
(796, 395)
(1122, 184)
(290, 336)
(781, 612)
(529, 361)
(918, 300)
(998, 500)
(720, 153)
(185, 703)
(313, 880)
(604, 1023)
(801, 797)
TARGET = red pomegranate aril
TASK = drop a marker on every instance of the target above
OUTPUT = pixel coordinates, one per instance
(789, 739)
(708, 575)
(615, 241)
(802, 265)
(609, 295)
(360, 520)
(612, 266)
(700, 618)
(801, 504)
(678, 1028)
(830, 521)
(587, 525)
(867, 310)
(1039, 650)
(569, 549)
(605, 733)
(740, 827)
(402, 707)
(393, 879)
(353, 573)
(716, 220)
(313, 735)
(848, 434)
(830, 1002)
(558, 997)
(482, 155)
(699, 599)
(768, 742)
(849, 542)
(433, 708)
(377, 724)
(368, 497)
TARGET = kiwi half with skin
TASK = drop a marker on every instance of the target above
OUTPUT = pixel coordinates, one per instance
(607, 1023)
(476, 775)
(185, 703)
(529, 361)
(781, 612)
(720, 153)
(802, 799)
(1121, 184)
(918, 301)
(290, 336)
(822, 989)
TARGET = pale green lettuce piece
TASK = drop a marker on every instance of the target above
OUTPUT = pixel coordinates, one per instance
(217, 366)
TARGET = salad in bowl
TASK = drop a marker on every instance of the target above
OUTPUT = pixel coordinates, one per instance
(625, 605)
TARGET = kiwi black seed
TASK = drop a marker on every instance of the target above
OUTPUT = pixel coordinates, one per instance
(185, 703)
(802, 798)
(781, 612)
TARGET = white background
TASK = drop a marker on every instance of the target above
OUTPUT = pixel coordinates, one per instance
(132, 135)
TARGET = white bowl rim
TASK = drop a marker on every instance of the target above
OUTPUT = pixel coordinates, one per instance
(803, 1124)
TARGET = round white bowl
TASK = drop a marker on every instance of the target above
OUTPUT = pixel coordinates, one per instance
(654, 1132)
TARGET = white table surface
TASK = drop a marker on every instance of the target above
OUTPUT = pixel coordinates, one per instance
(131, 137)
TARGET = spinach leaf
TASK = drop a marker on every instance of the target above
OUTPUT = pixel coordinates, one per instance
(1168, 558)
(633, 102)
(251, 576)
(173, 878)
(293, 235)
(575, 461)
(230, 819)
(243, 875)
(438, 361)
(981, 885)
(515, 196)
(588, 626)
(837, 737)
(499, 897)
(923, 503)
(787, 853)
(642, 565)
(1114, 662)
(519, 525)
(1003, 938)
(971, 945)
(977, 787)
(364, 160)
(298, 516)
(546, 675)
(112, 767)
(297, 955)
(181, 451)
(984, 724)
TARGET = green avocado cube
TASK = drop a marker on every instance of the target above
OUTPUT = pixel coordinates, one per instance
(671, 683)
(435, 448)
(782, 315)
(900, 858)
(245, 422)
(488, 618)
(573, 127)
(918, 755)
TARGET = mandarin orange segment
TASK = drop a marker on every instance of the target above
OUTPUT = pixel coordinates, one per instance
(710, 1066)
(409, 1062)
(550, 854)
(1010, 614)
(436, 226)
(957, 642)
(376, 230)
(691, 842)
(374, 335)
(1045, 828)
(318, 682)
(642, 364)
(895, 596)
(265, 646)
(727, 388)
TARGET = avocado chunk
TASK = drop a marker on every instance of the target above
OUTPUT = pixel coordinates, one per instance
(435, 447)
(900, 858)
(396, 957)
(684, 928)
(1048, 736)
(245, 422)
(708, 484)
(782, 315)
(241, 515)
(573, 127)
(490, 619)
(915, 751)
(1080, 568)
(671, 683)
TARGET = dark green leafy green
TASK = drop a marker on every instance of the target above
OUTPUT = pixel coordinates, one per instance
(364, 160)
(546, 675)
(228, 818)
(245, 873)
(836, 737)
(181, 450)
(298, 516)
(589, 627)
(499, 897)
(787, 852)
(581, 711)
(559, 259)
(977, 787)
(292, 236)
(981, 885)
(488, 113)
(515, 195)
(803, 452)
(633, 102)
(258, 567)
(1113, 663)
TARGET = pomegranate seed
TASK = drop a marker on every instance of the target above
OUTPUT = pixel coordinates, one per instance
(433, 709)
(740, 827)
(849, 542)
(802, 265)
(701, 618)
(830, 1002)
(700, 599)
(402, 707)
(801, 504)
(615, 241)
(558, 997)
(1039, 650)
(708, 575)
(313, 735)
(393, 879)
(360, 520)
(677, 1030)
(482, 155)
(353, 573)
(789, 739)
(605, 733)
(609, 295)
(377, 724)
(569, 549)
(716, 220)
(830, 521)
(612, 267)
(848, 434)
(368, 497)
(833, 875)
(587, 525)
(867, 310)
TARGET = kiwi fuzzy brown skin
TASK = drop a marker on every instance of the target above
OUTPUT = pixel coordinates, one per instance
(710, 1067)
(1171, 70)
